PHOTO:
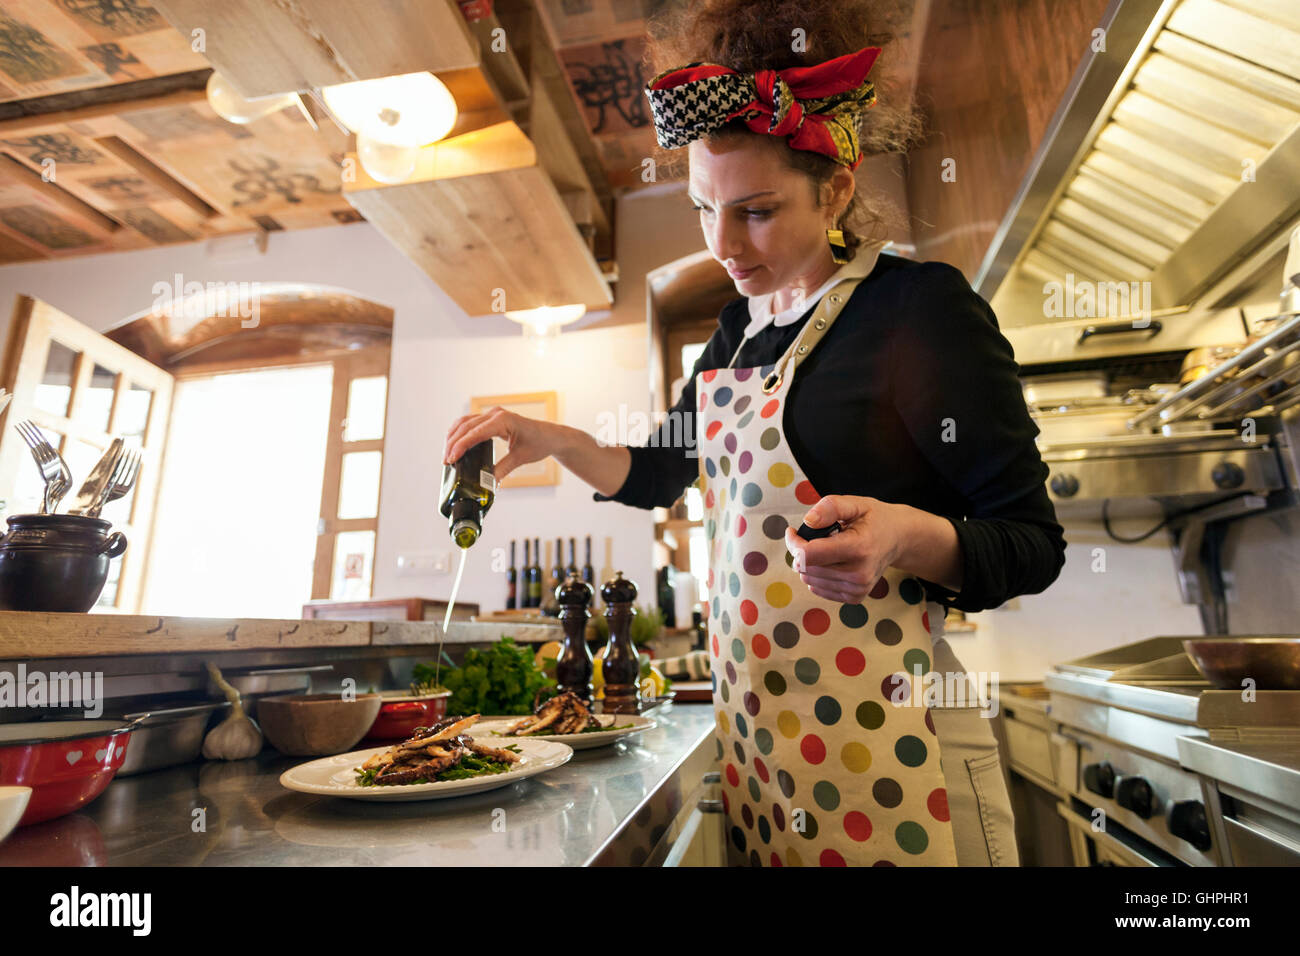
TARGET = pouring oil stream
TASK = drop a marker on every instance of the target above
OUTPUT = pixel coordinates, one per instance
(446, 619)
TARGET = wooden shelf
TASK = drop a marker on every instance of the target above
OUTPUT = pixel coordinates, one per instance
(29, 634)
(669, 529)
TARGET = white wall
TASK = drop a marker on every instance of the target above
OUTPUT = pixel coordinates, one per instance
(441, 357)
(1085, 610)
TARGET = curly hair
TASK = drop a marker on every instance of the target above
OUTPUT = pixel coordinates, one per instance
(751, 35)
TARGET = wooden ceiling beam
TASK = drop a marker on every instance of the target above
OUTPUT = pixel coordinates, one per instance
(492, 231)
(11, 170)
(116, 95)
(267, 48)
(547, 77)
(148, 170)
(23, 124)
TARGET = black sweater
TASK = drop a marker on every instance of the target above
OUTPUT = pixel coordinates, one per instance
(911, 397)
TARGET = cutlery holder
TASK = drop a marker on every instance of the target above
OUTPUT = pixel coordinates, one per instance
(56, 562)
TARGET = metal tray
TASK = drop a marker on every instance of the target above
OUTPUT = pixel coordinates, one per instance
(166, 738)
(1116, 662)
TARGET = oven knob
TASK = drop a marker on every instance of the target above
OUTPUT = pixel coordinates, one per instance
(1134, 793)
(1227, 475)
(1100, 779)
(1064, 486)
(1186, 820)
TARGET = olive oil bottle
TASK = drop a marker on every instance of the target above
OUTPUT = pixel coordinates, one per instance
(512, 579)
(525, 575)
(588, 572)
(557, 572)
(534, 580)
(468, 489)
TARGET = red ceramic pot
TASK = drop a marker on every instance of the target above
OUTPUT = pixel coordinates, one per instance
(67, 763)
(402, 712)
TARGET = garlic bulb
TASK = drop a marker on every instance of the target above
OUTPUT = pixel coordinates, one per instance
(238, 736)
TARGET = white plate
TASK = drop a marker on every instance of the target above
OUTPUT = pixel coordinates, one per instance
(494, 730)
(335, 776)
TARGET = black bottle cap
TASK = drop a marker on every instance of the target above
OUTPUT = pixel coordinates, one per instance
(618, 590)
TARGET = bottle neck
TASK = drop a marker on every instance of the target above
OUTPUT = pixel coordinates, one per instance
(466, 521)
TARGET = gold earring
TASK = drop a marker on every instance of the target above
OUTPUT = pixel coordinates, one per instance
(839, 248)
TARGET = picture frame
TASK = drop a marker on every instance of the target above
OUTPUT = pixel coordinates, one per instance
(539, 405)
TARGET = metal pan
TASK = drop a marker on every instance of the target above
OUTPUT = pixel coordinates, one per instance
(1273, 663)
(166, 738)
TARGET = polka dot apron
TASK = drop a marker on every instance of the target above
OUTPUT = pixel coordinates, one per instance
(825, 760)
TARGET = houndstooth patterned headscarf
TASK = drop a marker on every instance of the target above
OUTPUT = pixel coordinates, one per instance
(816, 108)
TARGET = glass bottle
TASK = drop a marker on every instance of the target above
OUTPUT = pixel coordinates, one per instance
(512, 580)
(535, 575)
(468, 489)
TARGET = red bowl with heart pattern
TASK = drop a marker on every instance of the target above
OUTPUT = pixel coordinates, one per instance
(67, 763)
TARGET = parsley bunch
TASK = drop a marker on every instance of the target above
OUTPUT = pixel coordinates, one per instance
(498, 680)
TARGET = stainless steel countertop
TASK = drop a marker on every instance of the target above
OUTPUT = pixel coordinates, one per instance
(1269, 770)
(1176, 702)
(565, 817)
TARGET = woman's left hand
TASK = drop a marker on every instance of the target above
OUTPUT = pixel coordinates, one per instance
(846, 566)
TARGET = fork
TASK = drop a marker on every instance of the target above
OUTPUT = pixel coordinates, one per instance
(54, 472)
(63, 486)
(122, 481)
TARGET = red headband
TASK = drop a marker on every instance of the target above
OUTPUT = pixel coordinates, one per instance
(816, 108)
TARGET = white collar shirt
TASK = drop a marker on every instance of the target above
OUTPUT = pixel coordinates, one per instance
(760, 306)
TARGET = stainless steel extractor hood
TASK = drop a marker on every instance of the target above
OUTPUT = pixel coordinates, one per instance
(1173, 158)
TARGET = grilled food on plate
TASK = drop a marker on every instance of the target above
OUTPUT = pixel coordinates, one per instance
(562, 714)
(432, 754)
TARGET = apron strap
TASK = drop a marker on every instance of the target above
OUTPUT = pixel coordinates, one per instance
(817, 325)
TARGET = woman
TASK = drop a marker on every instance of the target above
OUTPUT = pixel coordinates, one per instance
(846, 392)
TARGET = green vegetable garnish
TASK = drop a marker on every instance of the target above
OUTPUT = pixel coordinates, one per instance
(501, 679)
(471, 765)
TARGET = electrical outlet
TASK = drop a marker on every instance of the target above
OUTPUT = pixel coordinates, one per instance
(442, 562)
(415, 563)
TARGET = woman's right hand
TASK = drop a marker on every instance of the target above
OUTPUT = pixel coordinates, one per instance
(529, 439)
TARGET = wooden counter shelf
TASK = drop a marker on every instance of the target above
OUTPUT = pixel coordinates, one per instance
(28, 634)
(31, 634)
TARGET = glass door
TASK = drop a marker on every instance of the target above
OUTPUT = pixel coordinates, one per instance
(82, 390)
(354, 459)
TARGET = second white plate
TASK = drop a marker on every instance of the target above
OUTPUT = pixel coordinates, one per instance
(494, 730)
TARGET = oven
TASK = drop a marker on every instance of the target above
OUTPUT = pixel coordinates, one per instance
(1155, 767)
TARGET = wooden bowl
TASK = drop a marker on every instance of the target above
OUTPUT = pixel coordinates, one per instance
(316, 725)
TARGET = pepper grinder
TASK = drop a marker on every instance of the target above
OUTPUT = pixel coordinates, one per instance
(622, 664)
(573, 668)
